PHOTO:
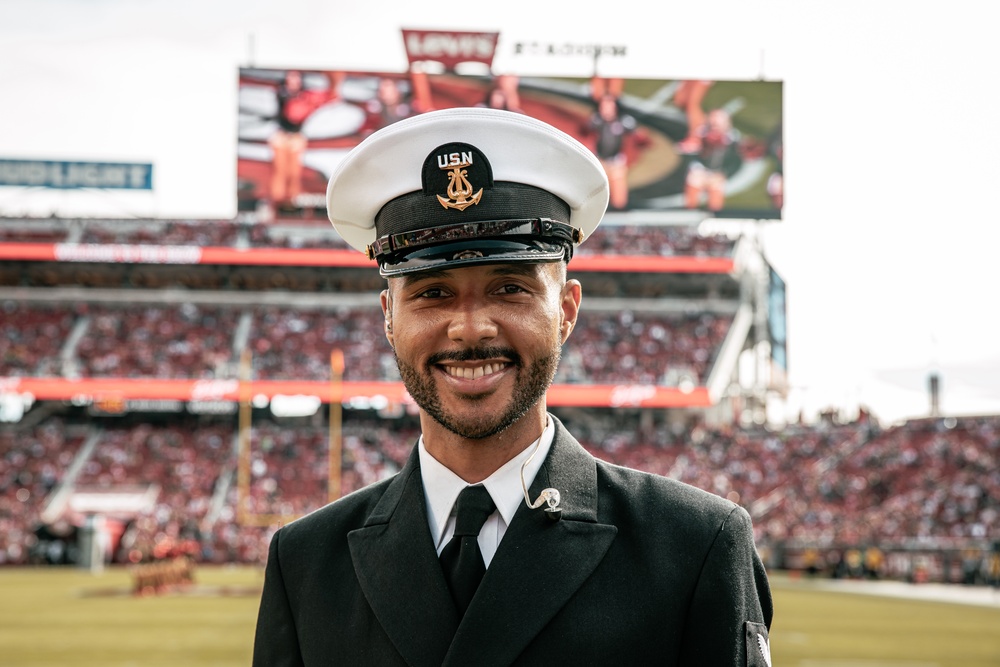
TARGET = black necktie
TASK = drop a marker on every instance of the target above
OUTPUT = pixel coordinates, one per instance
(461, 558)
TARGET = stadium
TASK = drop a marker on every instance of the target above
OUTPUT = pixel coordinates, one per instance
(173, 390)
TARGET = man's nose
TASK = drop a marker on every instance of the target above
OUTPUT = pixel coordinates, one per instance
(472, 323)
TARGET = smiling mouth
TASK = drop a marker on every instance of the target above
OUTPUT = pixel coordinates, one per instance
(473, 372)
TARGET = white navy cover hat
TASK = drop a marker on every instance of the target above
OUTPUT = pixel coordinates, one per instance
(466, 186)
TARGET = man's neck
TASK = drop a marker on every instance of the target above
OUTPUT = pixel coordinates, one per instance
(475, 460)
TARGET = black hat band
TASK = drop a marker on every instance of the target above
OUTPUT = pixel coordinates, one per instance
(505, 201)
(537, 228)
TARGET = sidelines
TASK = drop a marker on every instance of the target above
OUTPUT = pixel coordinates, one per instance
(981, 596)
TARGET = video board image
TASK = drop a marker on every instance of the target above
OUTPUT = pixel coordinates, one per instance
(667, 145)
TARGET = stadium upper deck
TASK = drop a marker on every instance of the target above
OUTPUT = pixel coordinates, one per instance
(179, 300)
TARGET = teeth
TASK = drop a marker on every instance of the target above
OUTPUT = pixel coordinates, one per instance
(473, 373)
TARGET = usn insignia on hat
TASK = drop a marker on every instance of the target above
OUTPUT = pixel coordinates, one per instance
(459, 166)
(459, 189)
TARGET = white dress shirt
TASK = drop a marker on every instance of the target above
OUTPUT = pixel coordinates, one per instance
(442, 486)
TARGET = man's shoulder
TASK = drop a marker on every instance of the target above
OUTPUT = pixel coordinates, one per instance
(629, 493)
(335, 520)
(657, 496)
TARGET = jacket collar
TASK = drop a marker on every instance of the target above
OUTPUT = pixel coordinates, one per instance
(527, 583)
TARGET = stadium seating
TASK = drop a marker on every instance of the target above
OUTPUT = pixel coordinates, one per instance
(664, 241)
(642, 348)
(27, 232)
(33, 461)
(31, 337)
(185, 341)
(161, 232)
(826, 485)
(292, 343)
(197, 342)
(661, 240)
(820, 494)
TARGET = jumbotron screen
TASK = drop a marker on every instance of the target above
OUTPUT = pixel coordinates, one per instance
(667, 145)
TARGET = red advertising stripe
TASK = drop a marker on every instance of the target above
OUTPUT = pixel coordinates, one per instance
(286, 257)
(150, 254)
(28, 252)
(56, 389)
(616, 396)
(52, 389)
(133, 254)
(651, 264)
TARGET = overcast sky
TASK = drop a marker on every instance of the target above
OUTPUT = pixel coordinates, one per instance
(890, 232)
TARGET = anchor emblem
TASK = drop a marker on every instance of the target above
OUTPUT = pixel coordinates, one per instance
(460, 195)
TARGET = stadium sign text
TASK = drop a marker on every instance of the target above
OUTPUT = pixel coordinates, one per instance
(631, 395)
(212, 390)
(567, 49)
(120, 253)
(73, 175)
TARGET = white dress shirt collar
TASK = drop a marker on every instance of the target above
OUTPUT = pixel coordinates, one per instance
(442, 486)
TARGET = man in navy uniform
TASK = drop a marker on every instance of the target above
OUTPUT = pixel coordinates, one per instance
(501, 541)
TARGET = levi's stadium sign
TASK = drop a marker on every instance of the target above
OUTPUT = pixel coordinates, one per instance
(450, 47)
(73, 175)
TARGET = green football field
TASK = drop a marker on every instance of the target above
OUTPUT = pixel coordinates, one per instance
(65, 617)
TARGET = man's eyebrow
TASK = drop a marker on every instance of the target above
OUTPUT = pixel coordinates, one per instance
(519, 268)
(411, 278)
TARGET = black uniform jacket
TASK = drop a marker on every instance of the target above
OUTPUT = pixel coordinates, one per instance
(640, 569)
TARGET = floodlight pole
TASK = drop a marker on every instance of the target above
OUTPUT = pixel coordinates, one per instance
(243, 471)
(336, 424)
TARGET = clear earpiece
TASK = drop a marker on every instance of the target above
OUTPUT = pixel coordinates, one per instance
(548, 496)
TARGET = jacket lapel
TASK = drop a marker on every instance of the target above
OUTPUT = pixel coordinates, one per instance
(399, 573)
(540, 563)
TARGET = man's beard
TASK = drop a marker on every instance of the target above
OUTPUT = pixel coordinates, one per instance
(530, 384)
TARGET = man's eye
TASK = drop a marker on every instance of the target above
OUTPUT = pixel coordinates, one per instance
(432, 293)
(511, 289)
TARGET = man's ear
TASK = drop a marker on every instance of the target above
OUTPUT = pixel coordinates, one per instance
(572, 295)
(386, 301)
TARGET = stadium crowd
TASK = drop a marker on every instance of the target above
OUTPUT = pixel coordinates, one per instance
(31, 337)
(31, 232)
(662, 241)
(629, 239)
(293, 343)
(820, 494)
(186, 341)
(642, 348)
(201, 342)
(204, 233)
(932, 483)
(32, 463)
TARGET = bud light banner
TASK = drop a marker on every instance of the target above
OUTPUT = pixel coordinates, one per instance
(711, 147)
(73, 175)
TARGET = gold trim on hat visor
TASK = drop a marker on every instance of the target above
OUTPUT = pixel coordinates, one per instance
(409, 241)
